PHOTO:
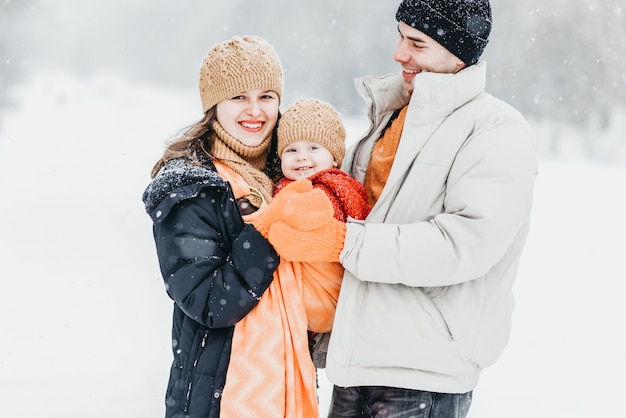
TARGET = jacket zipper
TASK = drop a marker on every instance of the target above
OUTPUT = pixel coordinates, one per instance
(193, 372)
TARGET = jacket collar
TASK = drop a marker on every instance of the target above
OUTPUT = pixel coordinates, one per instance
(434, 95)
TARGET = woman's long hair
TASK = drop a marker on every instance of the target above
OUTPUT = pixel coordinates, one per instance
(196, 141)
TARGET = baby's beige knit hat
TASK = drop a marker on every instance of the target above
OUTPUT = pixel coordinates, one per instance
(238, 65)
(315, 121)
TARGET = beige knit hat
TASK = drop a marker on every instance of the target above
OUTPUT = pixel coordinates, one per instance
(315, 121)
(238, 65)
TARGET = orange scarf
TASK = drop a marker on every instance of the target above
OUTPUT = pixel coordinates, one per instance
(382, 158)
(271, 373)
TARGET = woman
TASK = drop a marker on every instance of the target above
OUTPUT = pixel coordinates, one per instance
(215, 266)
(206, 190)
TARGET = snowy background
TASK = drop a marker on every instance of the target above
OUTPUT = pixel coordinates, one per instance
(91, 91)
(85, 320)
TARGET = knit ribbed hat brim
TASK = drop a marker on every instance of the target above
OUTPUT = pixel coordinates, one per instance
(238, 65)
(315, 121)
(460, 26)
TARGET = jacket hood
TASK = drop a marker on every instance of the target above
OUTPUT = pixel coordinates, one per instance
(178, 179)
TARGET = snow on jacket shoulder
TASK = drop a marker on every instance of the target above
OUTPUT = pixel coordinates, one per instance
(451, 221)
(215, 268)
(214, 265)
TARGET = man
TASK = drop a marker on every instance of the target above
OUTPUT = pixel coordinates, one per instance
(426, 299)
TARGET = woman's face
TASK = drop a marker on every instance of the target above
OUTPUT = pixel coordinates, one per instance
(249, 116)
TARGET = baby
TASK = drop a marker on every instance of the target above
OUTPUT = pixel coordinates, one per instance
(311, 144)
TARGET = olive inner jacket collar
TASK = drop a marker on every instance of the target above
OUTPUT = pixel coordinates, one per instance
(215, 268)
(426, 300)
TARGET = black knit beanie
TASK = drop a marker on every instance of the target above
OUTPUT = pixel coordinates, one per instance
(461, 26)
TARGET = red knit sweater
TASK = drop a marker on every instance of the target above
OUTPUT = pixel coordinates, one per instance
(345, 193)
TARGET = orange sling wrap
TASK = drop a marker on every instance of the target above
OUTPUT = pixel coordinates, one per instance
(271, 373)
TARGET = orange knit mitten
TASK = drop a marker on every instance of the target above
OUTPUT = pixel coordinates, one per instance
(298, 205)
(322, 244)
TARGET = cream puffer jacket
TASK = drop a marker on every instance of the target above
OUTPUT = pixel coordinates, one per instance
(426, 299)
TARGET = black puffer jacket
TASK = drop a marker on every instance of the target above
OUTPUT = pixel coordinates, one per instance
(215, 268)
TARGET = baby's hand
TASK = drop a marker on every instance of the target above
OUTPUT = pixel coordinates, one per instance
(298, 205)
